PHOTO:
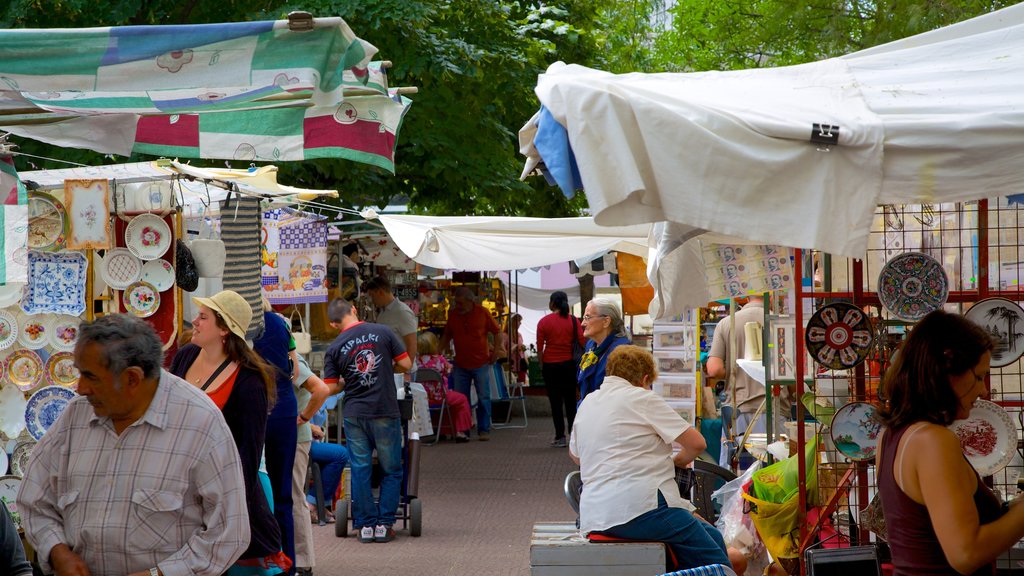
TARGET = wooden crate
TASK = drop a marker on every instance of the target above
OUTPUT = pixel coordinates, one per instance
(558, 549)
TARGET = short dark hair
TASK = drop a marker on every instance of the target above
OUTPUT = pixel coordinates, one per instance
(916, 387)
(377, 283)
(338, 309)
(125, 341)
(350, 249)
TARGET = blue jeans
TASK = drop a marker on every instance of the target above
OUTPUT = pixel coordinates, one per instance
(462, 378)
(279, 451)
(332, 458)
(693, 541)
(363, 435)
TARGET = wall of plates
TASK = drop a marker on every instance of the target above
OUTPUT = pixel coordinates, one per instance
(963, 257)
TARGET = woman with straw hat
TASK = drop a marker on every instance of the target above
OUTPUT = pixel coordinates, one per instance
(241, 384)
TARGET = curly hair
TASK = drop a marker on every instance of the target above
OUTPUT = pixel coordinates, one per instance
(632, 363)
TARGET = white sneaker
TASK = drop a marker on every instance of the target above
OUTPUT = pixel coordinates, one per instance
(383, 533)
(366, 534)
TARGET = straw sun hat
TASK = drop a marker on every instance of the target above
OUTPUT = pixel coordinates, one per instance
(235, 311)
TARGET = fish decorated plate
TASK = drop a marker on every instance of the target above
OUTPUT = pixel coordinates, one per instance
(147, 236)
(24, 369)
(64, 333)
(1004, 321)
(47, 223)
(44, 407)
(911, 285)
(8, 329)
(141, 299)
(34, 330)
(20, 455)
(855, 430)
(61, 371)
(987, 436)
(159, 273)
(121, 268)
(839, 336)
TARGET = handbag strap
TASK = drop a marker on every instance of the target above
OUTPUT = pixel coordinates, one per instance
(302, 323)
(216, 373)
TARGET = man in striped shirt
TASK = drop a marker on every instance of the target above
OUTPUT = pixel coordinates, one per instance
(140, 475)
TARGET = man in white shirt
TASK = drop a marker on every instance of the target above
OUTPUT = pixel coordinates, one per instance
(140, 475)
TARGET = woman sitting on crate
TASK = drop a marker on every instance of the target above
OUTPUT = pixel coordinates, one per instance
(942, 518)
(622, 439)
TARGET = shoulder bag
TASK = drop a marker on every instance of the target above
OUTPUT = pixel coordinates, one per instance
(303, 340)
(577, 349)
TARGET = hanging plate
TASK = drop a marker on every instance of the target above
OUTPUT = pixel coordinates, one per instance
(839, 336)
(9, 486)
(911, 285)
(121, 268)
(147, 236)
(20, 456)
(1001, 318)
(34, 331)
(8, 329)
(855, 431)
(987, 436)
(141, 299)
(56, 283)
(24, 369)
(44, 407)
(64, 333)
(159, 273)
(47, 223)
(10, 293)
(61, 371)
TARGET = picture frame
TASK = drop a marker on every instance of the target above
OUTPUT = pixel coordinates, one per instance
(88, 208)
(676, 387)
(782, 347)
(675, 362)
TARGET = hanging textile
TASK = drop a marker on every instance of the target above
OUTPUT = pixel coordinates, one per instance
(240, 231)
(13, 224)
(294, 257)
(636, 290)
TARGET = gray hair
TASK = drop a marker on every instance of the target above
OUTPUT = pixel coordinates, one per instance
(338, 309)
(125, 341)
(609, 308)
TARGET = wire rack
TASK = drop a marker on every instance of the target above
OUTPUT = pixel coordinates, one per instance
(979, 245)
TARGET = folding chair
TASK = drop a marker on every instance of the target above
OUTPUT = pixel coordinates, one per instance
(437, 400)
(516, 393)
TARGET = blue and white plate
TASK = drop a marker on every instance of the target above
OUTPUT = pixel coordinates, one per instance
(44, 407)
(56, 283)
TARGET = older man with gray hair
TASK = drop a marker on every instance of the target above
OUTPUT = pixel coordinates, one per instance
(140, 475)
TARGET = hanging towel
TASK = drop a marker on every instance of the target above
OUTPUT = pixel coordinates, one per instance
(240, 231)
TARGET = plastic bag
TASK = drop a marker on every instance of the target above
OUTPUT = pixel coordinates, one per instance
(736, 527)
(780, 481)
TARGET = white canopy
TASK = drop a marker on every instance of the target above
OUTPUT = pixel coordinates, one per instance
(933, 118)
(490, 243)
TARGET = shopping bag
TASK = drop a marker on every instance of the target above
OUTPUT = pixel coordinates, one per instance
(303, 340)
(210, 253)
(781, 481)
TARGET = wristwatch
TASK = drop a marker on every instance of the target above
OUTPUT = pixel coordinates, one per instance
(154, 571)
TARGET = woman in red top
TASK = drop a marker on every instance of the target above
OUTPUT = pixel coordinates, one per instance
(555, 334)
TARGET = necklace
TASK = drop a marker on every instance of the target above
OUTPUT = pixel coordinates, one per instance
(206, 373)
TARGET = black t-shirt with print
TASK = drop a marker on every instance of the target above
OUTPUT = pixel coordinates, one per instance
(363, 356)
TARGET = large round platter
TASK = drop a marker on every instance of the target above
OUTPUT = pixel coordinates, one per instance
(839, 336)
(987, 436)
(64, 333)
(911, 285)
(147, 236)
(24, 369)
(61, 371)
(1002, 319)
(159, 273)
(44, 407)
(8, 329)
(19, 457)
(10, 293)
(9, 486)
(141, 299)
(34, 330)
(121, 268)
(855, 430)
(47, 223)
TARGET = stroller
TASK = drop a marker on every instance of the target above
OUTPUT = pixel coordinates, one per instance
(410, 507)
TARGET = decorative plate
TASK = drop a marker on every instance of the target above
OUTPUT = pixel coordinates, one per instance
(12, 411)
(10, 293)
(147, 236)
(9, 486)
(61, 371)
(44, 407)
(56, 283)
(988, 437)
(24, 369)
(839, 336)
(4, 461)
(855, 430)
(34, 331)
(20, 456)
(121, 268)
(47, 223)
(64, 333)
(141, 299)
(159, 273)
(911, 285)
(1000, 318)
(8, 329)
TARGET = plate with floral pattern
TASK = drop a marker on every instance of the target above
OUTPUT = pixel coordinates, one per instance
(8, 329)
(47, 223)
(159, 273)
(987, 436)
(20, 455)
(34, 330)
(839, 336)
(141, 299)
(64, 333)
(911, 285)
(147, 236)
(9, 486)
(61, 371)
(44, 407)
(56, 283)
(24, 369)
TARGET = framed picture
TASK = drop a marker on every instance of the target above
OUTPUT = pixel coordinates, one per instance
(675, 363)
(782, 347)
(686, 409)
(88, 207)
(676, 387)
(677, 336)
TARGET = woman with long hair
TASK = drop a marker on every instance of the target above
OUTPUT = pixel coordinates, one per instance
(241, 384)
(949, 521)
(556, 334)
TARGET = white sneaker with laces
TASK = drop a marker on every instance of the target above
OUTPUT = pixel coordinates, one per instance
(366, 534)
(383, 533)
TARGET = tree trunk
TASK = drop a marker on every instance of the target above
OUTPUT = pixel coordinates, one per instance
(586, 291)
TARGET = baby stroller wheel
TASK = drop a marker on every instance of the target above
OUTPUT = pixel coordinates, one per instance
(341, 518)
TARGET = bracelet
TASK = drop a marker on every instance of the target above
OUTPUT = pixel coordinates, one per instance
(303, 418)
